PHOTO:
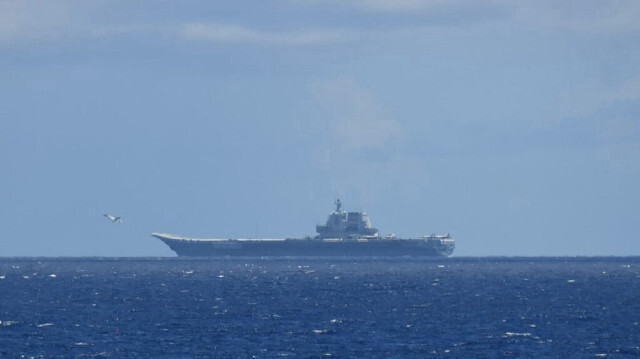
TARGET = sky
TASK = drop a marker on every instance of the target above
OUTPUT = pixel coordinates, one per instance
(512, 125)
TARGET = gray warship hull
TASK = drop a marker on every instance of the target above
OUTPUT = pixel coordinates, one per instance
(344, 234)
(330, 247)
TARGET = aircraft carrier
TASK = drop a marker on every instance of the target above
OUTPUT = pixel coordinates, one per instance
(346, 234)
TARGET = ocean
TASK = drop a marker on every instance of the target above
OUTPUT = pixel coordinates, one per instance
(320, 308)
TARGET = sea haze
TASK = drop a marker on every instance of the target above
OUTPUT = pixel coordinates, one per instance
(312, 307)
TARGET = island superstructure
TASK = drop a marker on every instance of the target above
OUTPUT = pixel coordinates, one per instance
(343, 234)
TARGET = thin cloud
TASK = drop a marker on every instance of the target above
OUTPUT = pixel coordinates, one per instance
(617, 16)
(63, 21)
(379, 5)
(127, 29)
(614, 17)
(20, 20)
(592, 95)
(233, 33)
(43, 21)
(399, 5)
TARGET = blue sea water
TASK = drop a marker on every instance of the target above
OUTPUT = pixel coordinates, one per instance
(320, 308)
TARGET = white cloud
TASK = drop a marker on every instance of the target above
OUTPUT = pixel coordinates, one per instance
(358, 141)
(358, 121)
(233, 33)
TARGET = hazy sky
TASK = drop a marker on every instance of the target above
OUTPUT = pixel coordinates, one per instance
(513, 125)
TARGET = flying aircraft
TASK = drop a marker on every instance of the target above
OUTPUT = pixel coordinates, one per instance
(113, 219)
